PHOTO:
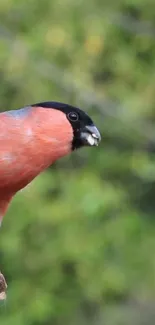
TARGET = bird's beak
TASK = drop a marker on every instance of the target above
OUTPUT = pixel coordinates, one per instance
(90, 135)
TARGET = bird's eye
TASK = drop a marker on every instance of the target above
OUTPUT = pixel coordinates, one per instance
(73, 116)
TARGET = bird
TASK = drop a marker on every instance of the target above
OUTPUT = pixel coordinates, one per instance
(31, 139)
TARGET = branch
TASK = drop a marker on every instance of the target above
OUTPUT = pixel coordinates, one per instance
(3, 287)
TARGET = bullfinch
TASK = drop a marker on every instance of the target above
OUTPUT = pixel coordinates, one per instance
(33, 137)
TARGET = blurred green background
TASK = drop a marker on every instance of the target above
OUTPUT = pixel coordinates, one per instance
(77, 246)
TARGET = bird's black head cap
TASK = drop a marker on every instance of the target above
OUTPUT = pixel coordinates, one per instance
(85, 132)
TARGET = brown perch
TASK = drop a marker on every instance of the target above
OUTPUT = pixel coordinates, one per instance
(3, 287)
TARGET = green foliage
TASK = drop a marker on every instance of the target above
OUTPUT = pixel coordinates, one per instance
(77, 245)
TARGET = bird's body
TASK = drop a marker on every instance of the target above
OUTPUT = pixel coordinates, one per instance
(33, 137)
(28, 145)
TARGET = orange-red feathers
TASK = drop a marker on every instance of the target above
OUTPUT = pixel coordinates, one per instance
(30, 141)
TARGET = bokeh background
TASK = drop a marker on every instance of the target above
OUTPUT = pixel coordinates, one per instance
(77, 246)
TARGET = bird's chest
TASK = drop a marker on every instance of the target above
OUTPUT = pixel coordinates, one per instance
(27, 147)
(20, 164)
